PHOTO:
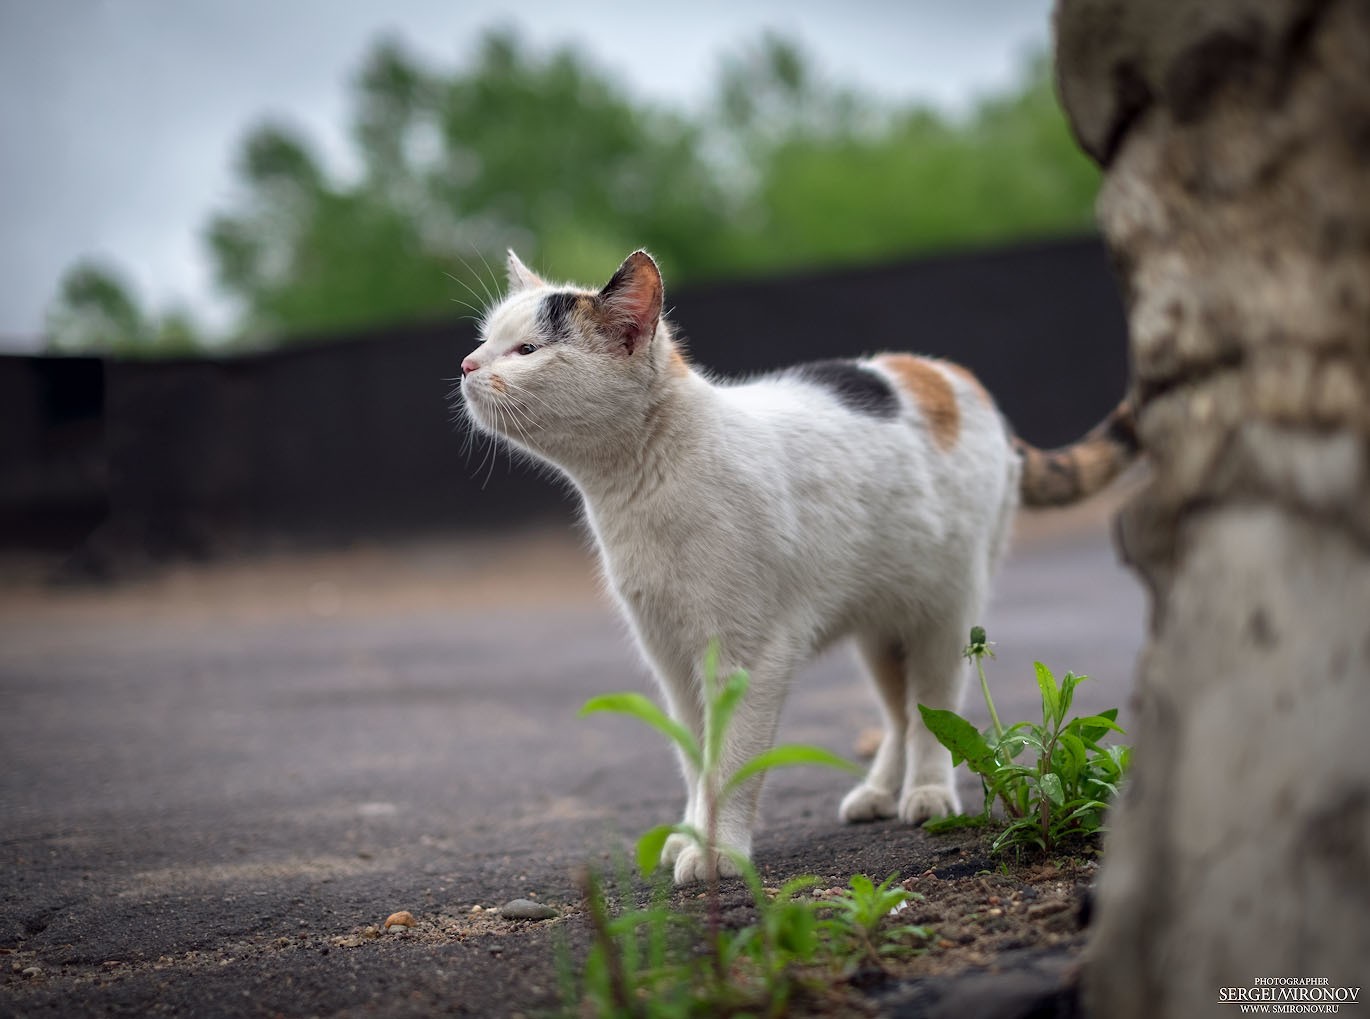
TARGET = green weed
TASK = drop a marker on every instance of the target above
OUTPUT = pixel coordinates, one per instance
(1062, 787)
(652, 962)
(858, 929)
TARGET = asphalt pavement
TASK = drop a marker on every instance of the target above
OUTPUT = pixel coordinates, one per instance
(217, 777)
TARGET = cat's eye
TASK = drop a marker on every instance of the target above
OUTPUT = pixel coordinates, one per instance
(527, 348)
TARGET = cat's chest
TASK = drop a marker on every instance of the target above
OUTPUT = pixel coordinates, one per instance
(640, 575)
(656, 567)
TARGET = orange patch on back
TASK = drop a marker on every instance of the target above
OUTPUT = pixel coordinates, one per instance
(679, 366)
(968, 376)
(930, 389)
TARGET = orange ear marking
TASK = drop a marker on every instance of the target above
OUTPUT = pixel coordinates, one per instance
(924, 382)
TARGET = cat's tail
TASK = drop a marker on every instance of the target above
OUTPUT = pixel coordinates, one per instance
(1057, 477)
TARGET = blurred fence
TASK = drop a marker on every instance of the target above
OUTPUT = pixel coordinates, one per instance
(353, 438)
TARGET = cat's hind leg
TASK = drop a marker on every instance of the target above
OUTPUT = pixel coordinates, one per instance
(936, 676)
(878, 794)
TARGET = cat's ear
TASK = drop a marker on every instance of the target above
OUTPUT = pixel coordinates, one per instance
(632, 301)
(520, 276)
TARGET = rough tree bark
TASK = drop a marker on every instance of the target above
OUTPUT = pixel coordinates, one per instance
(1235, 135)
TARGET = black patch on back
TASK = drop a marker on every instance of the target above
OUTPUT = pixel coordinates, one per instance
(554, 315)
(857, 387)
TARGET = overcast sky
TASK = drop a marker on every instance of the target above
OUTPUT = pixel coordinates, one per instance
(119, 119)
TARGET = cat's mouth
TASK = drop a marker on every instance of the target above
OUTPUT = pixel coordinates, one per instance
(477, 398)
(493, 407)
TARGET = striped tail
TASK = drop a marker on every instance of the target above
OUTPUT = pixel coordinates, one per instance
(1058, 477)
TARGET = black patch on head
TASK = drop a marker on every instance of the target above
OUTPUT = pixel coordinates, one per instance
(857, 387)
(554, 315)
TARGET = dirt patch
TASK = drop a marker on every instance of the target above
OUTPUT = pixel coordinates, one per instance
(991, 917)
(988, 914)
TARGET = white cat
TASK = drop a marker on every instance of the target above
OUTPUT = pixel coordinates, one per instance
(867, 498)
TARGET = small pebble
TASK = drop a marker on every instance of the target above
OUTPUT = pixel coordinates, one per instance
(478, 908)
(33, 972)
(403, 918)
(526, 909)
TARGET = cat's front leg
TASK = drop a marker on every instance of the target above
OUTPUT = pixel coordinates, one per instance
(683, 704)
(751, 731)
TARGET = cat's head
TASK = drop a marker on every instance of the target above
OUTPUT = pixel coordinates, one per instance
(563, 368)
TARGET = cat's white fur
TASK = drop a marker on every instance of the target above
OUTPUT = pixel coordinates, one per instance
(767, 514)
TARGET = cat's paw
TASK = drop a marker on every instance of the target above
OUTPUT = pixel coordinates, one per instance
(867, 803)
(927, 801)
(675, 845)
(692, 865)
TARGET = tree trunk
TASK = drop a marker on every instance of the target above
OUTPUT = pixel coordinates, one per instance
(1235, 135)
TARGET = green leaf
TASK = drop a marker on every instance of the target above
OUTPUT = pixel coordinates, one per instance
(1050, 783)
(965, 742)
(1121, 756)
(743, 863)
(1051, 695)
(861, 886)
(1071, 755)
(1024, 831)
(784, 756)
(912, 931)
(1093, 727)
(1088, 807)
(639, 707)
(937, 825)
(740, 943)
(650, 845)
(794, 885)
(720, 713)
(796, 930)
(1068, 684)
(1013, 742)
(710, 668)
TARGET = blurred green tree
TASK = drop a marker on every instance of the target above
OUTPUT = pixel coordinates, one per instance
(95, 310)
(841, 179)
(543, 153)
(546, 153)
(304, 256)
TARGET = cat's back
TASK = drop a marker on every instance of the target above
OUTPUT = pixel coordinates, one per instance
(866, 456)
(862, 411)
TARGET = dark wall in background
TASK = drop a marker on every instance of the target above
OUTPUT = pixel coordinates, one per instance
(353, 438)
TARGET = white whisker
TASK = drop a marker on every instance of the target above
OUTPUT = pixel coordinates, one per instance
(492, 275)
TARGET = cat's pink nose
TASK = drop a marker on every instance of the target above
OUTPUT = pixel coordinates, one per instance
(468, 366)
